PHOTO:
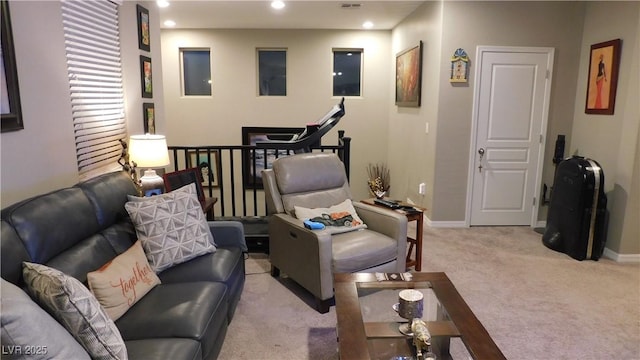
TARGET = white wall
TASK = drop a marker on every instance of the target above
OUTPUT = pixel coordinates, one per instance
(218, 119)
(412, 152)
(42, 157)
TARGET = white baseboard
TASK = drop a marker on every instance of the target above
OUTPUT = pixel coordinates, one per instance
(621, 258)
(541, 224)
(444, 224)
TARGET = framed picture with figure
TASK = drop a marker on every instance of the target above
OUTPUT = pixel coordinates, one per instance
(602, 79)
(209, 164)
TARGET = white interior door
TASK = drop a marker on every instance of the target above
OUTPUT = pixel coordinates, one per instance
(512, 94)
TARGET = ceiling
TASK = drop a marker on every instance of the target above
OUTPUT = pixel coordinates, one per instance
(297, 14)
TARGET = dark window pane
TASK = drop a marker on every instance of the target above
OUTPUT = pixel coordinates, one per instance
(197, 72)
(272, 72)
(346, 73)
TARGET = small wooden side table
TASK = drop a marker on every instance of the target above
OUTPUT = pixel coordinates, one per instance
(414, 243)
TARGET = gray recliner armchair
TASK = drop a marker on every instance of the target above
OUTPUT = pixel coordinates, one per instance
(310, 257)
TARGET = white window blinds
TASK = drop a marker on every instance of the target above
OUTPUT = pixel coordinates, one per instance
(92, 41)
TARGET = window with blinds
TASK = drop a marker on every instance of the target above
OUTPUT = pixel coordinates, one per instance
(92, 41)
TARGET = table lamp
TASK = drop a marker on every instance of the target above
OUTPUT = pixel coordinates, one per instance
(149, 152)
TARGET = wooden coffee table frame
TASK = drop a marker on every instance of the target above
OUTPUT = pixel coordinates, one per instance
(354, 333)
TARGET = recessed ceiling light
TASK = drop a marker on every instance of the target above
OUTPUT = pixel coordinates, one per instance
(367, 25)
(162, 3)
(170, 23)
(277, 4)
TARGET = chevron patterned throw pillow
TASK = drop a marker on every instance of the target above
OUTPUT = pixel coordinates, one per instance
(171, 227)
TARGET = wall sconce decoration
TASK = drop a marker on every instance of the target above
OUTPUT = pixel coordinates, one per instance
(459, 66)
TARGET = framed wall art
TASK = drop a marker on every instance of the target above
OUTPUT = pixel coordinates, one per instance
(11, 119)
(145, 77)
(144, 37)
(252, 168)
(149, 116)
(409, 76)
(602, 81)
(209, 165)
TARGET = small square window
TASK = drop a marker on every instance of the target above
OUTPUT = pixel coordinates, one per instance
(196, 72)
(272, 72)
(347, 72)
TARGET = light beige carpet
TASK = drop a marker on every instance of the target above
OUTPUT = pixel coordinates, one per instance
(536, 303)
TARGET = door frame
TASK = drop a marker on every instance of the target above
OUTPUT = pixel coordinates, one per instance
(480, 50)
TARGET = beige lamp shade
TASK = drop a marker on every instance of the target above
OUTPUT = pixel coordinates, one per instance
(148, 151)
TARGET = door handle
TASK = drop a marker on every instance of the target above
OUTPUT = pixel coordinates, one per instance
(481, 152)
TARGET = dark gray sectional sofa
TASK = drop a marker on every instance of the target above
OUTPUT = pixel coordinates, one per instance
(78, 229)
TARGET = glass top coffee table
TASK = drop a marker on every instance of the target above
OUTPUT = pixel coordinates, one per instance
(369, 328)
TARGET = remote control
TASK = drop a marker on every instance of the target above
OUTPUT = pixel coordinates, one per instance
(387, 203)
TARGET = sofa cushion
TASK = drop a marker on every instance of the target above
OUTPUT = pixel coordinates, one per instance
(299, 173)
(85, 256)
(76, 309)
(357, 250)
(338, 218)
(166, 348)
(26, 323)
(218, 266)
(226, 265)
(172, 227)
(13, 254)
(107, 193)
(193, 310)
(52, 223)
(123, 281)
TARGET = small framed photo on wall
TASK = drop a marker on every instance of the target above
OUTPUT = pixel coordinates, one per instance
(144, 38)
(149, 116)
(209, 165)
(145, 77)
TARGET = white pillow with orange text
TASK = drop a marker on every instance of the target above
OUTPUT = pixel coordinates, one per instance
(123, 281)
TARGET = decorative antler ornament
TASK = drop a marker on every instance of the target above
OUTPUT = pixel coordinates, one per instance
(129, 167)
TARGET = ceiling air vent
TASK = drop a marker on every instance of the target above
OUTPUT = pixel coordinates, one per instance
(351, 5)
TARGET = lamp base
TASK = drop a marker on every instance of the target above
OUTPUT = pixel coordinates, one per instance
(151, 183)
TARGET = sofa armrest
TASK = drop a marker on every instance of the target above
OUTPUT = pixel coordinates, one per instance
(228, 233)
(387, 222)
(384, 221)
